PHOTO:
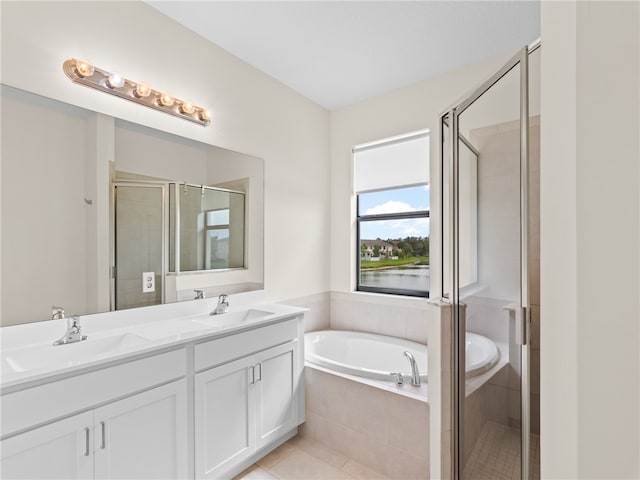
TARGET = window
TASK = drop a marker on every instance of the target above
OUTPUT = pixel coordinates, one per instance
(392, 189)
(216, 234)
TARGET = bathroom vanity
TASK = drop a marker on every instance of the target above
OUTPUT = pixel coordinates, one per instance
(169, 392)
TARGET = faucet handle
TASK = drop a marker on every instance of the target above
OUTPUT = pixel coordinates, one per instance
(199, 294)
(223, 298)
(398, 377)
(57, 313)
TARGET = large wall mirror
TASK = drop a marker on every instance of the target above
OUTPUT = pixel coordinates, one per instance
(101, 214)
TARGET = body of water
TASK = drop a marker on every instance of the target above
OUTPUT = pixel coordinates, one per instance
(410, 277)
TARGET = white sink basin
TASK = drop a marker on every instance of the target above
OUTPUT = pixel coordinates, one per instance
(232, 318)
(41, 356)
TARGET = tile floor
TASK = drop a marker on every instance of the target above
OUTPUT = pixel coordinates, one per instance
(496, 454)
(304, 459)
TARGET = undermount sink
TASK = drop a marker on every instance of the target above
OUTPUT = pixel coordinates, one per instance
(232, 318)
(41, 356)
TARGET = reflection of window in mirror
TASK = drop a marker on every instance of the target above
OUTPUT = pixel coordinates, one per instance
(217, 239)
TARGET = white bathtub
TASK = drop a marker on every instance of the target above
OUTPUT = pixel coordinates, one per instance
(377, 356)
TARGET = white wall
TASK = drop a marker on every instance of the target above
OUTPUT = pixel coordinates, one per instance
(590, 271)
(252, 113)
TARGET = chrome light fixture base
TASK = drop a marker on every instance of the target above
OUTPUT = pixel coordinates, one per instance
(99, 79)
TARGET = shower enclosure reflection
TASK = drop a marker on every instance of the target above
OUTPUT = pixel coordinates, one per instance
(204, 232)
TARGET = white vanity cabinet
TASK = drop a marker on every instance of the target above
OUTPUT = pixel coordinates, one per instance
(206, 407)
(249, 403)
(62, 449)
(141, 436)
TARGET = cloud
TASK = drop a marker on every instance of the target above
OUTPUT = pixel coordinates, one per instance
(392, 206)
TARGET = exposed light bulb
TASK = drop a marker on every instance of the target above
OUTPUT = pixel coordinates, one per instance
(187, 108)
(84, 69)
(143, 89)
(115, 80)
(204, 115)
(166, 100)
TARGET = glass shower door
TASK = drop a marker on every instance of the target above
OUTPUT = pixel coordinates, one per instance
(486, 226)
(139, 245)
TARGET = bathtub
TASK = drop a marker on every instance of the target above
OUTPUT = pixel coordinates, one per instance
(377, 356)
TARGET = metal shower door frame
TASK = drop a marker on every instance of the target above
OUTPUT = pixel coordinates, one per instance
(450, 119)
(163, 186)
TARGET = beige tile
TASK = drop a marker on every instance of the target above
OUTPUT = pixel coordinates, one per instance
(315, 427)
(535, 414)
(364, 449)
(302, 466)
(403, 466)
(275, 456)
(254, 472)
(445, 455)
(361, 472)
(535, 326)
(319, 450)
(535, 371)
(408, 425)
(497, 404)
(515, 404)
(367, 412)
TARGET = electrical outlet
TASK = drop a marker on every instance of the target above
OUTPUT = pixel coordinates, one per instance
(148, 282)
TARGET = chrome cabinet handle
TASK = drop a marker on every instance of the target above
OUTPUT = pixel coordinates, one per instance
(104, 436)
(253, 375)
(86, 442)
(259, 365)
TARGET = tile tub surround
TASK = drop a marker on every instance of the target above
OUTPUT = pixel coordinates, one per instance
(392, 315)
(379, 425)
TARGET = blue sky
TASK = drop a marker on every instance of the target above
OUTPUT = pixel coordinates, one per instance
(392, 201)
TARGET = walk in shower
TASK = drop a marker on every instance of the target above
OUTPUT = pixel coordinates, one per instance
(490, 237)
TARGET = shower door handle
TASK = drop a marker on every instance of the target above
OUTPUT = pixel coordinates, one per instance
(522, 325)
(521, 318)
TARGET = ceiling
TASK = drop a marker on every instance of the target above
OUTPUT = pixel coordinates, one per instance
(337, 53)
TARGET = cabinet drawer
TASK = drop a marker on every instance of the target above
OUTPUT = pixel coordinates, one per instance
(226, 349)
(34, 406)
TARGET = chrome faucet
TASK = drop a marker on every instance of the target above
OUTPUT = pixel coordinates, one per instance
(73, 333)
(199, 294)
(223, 304)
(57, 313)
(415, 374)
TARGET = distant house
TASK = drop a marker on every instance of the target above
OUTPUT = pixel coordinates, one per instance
(368, 249)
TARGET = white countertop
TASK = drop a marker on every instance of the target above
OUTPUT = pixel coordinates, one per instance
(28, 356)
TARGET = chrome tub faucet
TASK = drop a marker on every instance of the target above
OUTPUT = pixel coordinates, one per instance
(73, 333)
(415, 373)
(223, 304)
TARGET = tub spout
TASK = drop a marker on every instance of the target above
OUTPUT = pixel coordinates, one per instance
(415, 374)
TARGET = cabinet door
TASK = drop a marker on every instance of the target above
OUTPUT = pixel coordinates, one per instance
(224, 420)
(62, 450)
(276, 385)
(143, 436)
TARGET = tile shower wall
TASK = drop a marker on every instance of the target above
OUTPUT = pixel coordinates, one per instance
(485, 313)
(387, 432)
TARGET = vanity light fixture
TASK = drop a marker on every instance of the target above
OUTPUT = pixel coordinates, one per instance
(84, 73)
